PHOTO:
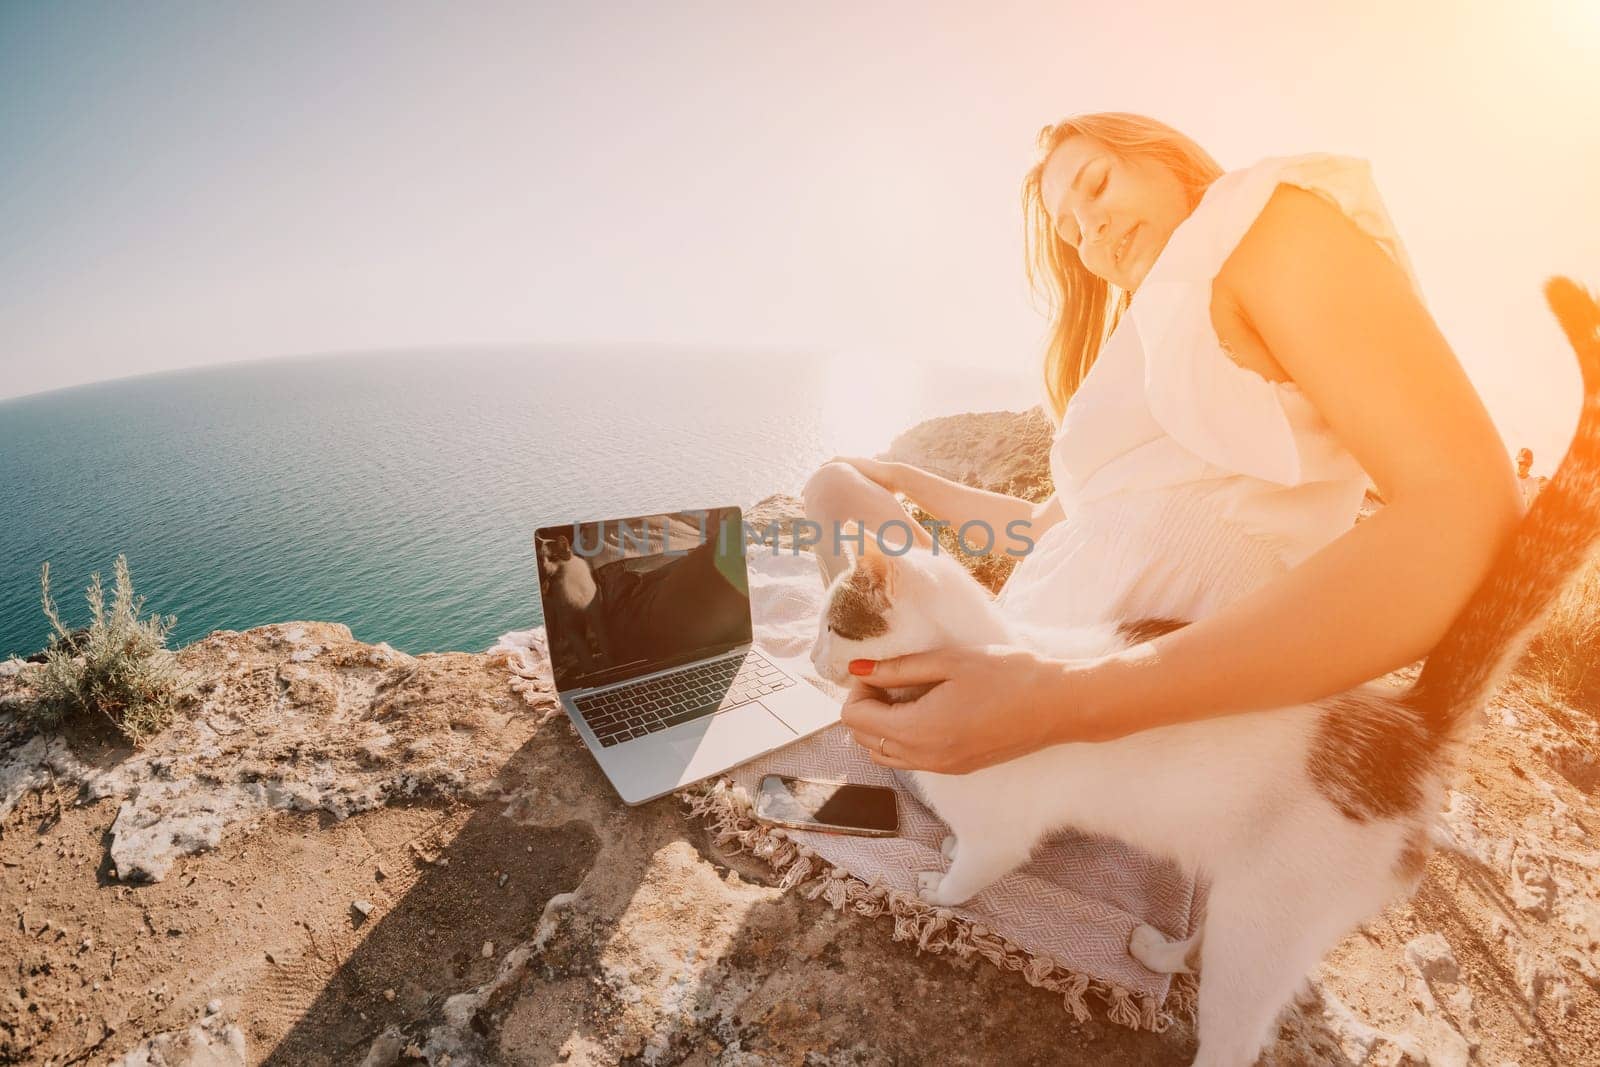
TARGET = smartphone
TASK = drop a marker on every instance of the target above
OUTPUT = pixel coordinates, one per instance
(831, 807)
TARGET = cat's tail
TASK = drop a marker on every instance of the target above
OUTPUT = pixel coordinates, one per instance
(1553, 542)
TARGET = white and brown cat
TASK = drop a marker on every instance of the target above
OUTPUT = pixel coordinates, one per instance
(1306, 820)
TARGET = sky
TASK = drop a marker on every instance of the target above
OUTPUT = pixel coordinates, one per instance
(189, 184)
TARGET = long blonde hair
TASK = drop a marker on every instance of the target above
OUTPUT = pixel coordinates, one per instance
(1081, 305)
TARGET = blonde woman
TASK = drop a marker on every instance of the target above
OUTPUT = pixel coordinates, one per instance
(1232, 357)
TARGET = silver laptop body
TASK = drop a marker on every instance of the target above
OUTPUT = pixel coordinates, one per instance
(659, 671)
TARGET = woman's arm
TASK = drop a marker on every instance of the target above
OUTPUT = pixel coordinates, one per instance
(1342, 318)
(1377, 598)
(956, 503)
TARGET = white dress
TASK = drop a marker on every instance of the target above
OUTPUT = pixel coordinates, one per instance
(1185, 478)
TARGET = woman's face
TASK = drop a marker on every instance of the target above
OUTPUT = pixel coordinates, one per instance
(1096, 199)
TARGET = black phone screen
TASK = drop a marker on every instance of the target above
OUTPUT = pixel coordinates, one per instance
(842, 806)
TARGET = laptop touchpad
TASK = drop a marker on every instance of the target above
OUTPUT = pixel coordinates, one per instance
(720, 741)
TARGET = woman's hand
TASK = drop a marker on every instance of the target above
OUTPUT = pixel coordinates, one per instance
(874, 470)
(991, 703)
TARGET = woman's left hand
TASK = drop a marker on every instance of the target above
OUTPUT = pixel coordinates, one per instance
(992, 703)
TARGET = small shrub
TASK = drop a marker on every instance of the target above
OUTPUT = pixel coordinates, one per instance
(119, 667)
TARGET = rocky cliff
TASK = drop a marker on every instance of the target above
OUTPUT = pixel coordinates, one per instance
(341, 853)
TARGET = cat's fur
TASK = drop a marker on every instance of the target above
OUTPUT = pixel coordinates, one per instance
(579, 611)
(1307, 820)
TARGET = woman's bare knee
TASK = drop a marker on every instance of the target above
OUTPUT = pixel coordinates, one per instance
(839, 494)
(833, 488)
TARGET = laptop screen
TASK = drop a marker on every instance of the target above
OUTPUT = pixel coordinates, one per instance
(624, 597)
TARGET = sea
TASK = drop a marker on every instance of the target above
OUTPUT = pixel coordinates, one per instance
(397, 492)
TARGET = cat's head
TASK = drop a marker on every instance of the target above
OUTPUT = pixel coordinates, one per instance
(553, 550)
(888, 605)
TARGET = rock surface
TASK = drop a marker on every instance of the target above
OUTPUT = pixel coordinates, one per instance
(196, 901)
(1002, 451)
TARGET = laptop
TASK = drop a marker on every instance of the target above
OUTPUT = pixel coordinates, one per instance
(647, 623)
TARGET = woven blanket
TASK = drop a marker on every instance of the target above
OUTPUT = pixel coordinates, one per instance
(1063, 920)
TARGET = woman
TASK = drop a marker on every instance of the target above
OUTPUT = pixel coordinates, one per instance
(1241, 352)
(1527, 484)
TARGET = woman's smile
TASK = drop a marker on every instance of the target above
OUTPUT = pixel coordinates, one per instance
(1126, 243)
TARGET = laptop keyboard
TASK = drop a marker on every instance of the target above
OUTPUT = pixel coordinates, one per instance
(639, 708)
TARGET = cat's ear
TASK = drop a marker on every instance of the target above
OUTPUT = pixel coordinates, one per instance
(881, 566)
(562, 544)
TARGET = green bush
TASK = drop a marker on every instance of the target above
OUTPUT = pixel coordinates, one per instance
(120, 667)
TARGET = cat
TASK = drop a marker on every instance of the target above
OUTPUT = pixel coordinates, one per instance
(579, 616)
(1307, 820)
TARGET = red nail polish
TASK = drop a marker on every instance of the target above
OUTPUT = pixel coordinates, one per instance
(861, 666)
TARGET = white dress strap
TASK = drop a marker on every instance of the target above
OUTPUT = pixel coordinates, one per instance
(1224, 412)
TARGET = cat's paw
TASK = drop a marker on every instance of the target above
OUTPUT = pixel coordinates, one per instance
(1150, 947)
(935, 887)
(1145, 945)
(947, 847)
(928, 886)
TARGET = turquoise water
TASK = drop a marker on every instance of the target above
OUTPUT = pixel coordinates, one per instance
(398, 492)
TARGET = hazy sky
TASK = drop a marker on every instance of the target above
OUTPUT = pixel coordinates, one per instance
(201, 183)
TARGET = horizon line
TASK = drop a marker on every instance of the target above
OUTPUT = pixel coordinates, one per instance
(720, 349)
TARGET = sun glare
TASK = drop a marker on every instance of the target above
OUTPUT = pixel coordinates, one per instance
(866, 401)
